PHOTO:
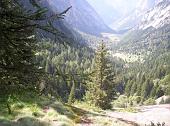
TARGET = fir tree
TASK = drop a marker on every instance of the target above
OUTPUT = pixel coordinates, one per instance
(133, 88)
(153, 91)
(128, 87)
(139, 86)
(18, 70)
(146, 88)
(72, 93)
(101, 89)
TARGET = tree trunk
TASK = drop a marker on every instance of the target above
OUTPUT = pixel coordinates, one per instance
(9, 108)
(72, 93)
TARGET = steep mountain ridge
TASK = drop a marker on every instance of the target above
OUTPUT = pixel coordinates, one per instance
(156, 17)
(81, 16)
(75, 23)
(131, 20)
(150, 36)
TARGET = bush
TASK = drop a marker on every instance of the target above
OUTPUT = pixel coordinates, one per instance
(35, 110)
(18, 105)
(150, 101)
(134, 100)
(121, 102)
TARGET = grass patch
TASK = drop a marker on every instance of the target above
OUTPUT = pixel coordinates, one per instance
(64, 120)
(150, 101)
(36, 111)
(25, 121)
(87, 106)
(129, 109)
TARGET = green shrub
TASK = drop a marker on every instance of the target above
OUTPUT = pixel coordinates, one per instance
(37, 114)
(134, 100)
(18, 105)
(121, 102)
(150, 101)
(35, 110)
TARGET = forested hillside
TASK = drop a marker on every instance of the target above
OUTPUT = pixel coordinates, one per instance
(71, 62)
(147, 64)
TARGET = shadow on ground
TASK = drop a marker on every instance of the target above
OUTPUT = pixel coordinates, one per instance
(25, 121)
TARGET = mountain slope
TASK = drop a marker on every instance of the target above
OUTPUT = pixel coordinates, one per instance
(81, 16)
(135, 16)
(157, 17)
(146, 38)
(152, 32)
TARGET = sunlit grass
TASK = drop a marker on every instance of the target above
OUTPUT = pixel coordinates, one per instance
(87, 106)
(40, 110)
(128, 109)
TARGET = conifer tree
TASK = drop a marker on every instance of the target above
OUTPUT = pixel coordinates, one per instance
(101, 89)
(153, 91)
(18, 28)
(72, 93)
(17, 52)
(139, 86)
(146, 88)
(128, 87)
(133, 88)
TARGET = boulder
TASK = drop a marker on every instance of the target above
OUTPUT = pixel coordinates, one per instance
(163, 100)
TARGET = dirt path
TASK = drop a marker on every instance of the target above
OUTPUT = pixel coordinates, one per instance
(146, 114)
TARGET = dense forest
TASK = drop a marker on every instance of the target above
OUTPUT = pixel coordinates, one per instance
(42, 67)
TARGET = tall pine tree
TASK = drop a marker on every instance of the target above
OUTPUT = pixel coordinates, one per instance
(101, 89)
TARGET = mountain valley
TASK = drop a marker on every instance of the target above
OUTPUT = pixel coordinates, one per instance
(85, 62)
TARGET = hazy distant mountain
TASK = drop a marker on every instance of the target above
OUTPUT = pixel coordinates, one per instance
(153, 31)
(156, 17)
(122, 14)
(81, 16)
(135, 16)
(107, 10)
